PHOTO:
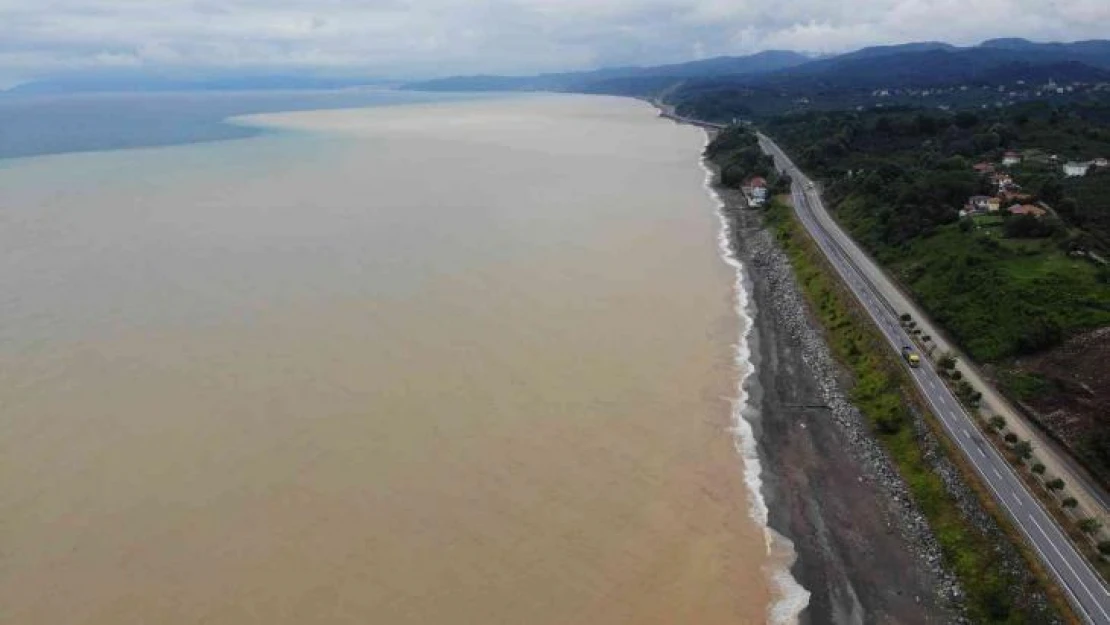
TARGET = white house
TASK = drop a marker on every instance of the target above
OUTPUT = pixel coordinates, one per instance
(979, 204)
(1011, 158)
(756, 190)
(1075, 168)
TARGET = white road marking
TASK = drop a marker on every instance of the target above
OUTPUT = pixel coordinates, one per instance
(1079, 579)
(996, 472)
(810, 200)
(1015, 496)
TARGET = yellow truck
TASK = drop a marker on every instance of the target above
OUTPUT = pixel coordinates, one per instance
(911, 357)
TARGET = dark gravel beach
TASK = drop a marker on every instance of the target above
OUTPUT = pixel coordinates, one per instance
(864, 551)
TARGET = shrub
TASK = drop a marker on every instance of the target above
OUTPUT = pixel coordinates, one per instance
(1038, 468)
(1011, 438)
(1069, 502)
(1104, 547)
(1056, 484)
(1090, 526)
(997, 423)
(1024, 449)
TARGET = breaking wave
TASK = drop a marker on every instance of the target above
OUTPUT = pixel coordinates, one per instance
(790, 597)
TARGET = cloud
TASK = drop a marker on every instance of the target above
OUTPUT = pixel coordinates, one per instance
(429, 37)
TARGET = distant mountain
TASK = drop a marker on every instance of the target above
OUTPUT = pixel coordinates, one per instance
(1009, 43)
(912, 65)
(902, 48)
(933, 67)
(146, 83)
(767, 61)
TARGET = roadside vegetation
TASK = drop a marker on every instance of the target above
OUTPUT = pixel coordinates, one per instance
(883, 394)
(1025, 294)
(737, 154)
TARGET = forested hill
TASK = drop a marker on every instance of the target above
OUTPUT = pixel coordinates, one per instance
(650, 77)
(774, 81)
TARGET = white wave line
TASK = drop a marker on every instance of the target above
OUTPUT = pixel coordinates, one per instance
(791, 597)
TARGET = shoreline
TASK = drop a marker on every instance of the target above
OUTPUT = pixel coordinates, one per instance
(864, 553)
(791, 597)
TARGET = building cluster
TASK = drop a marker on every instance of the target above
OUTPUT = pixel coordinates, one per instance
(1002, 93)
(1008, 194)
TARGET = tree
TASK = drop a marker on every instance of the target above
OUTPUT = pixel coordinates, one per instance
(1051, 190)
(997, 423)
(1069, 502)
(987, 141)
(1027, 227)
(1104, 547)
(947, 361)
(1011, 438)
(966, 119)
(1068, 208)
(905, 317)
(1090, 526)
(1023, 449)
(1055, 484)
(1038, 468)
(926, 125)
(1040, 333)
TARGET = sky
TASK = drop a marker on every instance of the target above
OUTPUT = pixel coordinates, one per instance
(423, 38)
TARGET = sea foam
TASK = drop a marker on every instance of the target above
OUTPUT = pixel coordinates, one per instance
(790, 597)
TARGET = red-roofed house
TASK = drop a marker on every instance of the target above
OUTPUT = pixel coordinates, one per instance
(1026, 209)
(1015, 196)
(756, 190)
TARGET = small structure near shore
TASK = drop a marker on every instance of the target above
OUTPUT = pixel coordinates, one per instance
(755, 190)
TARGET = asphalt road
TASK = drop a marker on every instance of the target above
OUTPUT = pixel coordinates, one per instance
(1080, 582)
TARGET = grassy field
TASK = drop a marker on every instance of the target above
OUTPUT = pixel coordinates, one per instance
(883, 394)
(1000, 297)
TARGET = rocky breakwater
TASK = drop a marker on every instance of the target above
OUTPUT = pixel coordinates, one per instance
(865, 552)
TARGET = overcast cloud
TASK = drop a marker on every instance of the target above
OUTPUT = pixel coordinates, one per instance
(403, 38)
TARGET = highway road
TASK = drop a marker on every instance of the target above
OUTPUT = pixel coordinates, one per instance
(1079, 581)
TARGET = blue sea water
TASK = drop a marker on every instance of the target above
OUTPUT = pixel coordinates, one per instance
(33, 125)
